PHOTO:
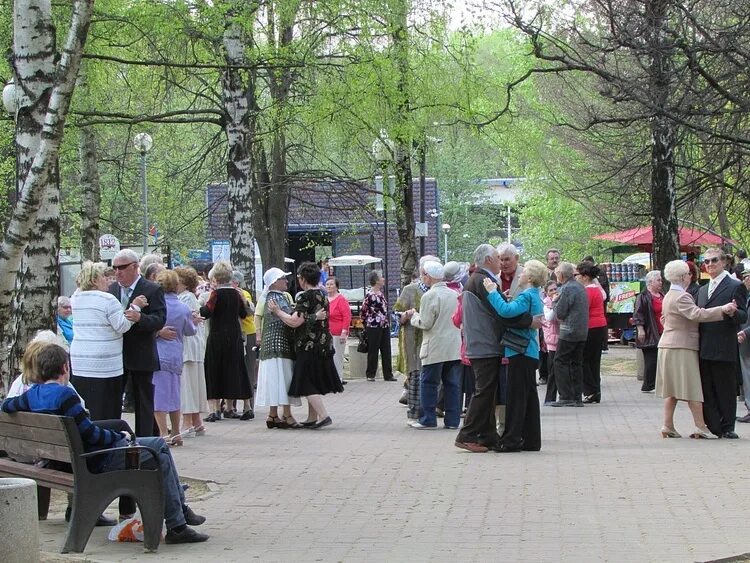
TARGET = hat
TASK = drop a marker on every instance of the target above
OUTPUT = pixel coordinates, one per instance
(273, 275)
(434, 270)
(454, 271)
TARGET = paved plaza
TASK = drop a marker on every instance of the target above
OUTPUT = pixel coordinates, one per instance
(605, 487)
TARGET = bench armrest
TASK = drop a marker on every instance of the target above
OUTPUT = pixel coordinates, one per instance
(152, 451)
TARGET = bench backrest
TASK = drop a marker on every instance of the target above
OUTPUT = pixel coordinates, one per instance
(42, 436)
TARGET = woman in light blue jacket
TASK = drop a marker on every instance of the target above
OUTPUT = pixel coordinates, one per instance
(522, 422)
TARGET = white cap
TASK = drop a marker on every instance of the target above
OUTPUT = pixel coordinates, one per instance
(273, 275)
(434, 270)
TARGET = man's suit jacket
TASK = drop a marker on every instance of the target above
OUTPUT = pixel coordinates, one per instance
(718, 340)
(139, 343)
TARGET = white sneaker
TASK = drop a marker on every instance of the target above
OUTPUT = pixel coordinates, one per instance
(419, 426)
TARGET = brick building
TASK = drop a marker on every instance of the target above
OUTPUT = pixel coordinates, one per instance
(336, 219)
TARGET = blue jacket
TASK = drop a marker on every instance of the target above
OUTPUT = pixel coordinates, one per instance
(528, 301)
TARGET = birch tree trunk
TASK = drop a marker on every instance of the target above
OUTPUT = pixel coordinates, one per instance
(235, 86)
(33, 230)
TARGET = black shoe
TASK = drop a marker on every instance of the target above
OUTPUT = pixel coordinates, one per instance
(730, 435)
(578, 404)
(344, 382)
(440, 413)
(188, 535)
(231, 414)
(325, 422)
(191, 518)
(562, 403)
(309, 424)
(745, 418)
(248, 415)
(593, 398)
(213, 417)
(390, 379)
(542, 381)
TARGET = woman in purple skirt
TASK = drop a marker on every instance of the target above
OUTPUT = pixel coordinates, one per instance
(169, 344)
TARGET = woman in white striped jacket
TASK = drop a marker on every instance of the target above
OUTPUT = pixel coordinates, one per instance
(96, 350)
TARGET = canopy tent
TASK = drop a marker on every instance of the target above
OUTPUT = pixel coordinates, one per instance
(643, 238)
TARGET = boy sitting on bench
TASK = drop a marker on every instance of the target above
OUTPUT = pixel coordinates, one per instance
(52, 396)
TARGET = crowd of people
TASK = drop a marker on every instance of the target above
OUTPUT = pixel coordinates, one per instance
(472, 338)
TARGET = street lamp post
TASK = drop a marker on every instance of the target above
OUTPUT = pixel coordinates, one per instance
(13, 100)
(143, 143)
(446, 230)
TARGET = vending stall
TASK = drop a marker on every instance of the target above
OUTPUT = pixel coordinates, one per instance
(626, 278)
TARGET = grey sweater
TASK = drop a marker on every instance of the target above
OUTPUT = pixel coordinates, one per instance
(572, 310)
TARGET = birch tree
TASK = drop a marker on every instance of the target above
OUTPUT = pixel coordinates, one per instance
(47, 80)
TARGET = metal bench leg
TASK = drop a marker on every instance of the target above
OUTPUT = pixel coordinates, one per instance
(153, 521)
(83, 518)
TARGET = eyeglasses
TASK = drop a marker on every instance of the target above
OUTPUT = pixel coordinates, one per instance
(121, 267)
(713, 260)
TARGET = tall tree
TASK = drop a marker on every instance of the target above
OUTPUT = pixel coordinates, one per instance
(47, 80)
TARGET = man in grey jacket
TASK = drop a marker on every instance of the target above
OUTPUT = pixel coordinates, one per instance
(572, 310)
(483, 330)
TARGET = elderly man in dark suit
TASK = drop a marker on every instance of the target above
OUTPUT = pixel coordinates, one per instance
(139, 354)
(718, 345)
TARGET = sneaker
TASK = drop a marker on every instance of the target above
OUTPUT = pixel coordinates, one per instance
(370, 379)
(188, 535)
(191, 518)
(419, 426)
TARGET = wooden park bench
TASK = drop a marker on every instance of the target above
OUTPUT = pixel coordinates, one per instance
(49, 437)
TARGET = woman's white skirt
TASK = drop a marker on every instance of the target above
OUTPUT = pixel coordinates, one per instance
(274, 377)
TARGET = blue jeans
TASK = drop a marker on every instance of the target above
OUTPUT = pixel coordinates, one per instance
(174, 497)
(432, 374)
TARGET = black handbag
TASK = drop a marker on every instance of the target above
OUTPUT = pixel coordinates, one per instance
(514, 341)
(362, 347)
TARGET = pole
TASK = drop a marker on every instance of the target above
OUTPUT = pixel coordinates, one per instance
(445, 247)
(509, 224)
(422, 189)
(144, 196)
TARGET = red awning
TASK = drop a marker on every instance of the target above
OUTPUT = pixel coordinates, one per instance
(643, 236)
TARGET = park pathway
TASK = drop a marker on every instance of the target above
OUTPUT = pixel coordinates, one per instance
(605, 487)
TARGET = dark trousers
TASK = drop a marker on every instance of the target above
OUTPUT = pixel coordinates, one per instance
(143, 402)
(719, 382)
(479, 424)
(551, 394)
(569, 369)
(543, 366)
(592, 361)
(379, 341)
(102, 395)
(649, 368)
(502, 384)
(468, 384)
(523, 428)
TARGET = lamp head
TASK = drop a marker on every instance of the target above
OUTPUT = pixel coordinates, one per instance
(143, 142)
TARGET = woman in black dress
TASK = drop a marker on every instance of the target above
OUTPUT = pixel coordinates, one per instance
(314, 370)
(226, 372)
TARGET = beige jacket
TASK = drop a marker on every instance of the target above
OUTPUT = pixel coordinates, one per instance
(681, 316)
(441, 340)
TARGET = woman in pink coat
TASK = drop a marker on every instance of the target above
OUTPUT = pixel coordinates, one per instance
(677, 372)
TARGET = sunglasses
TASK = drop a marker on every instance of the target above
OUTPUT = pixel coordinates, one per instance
(121, 267)
(713, 260)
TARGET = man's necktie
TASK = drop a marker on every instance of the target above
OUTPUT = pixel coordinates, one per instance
(125, 296)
